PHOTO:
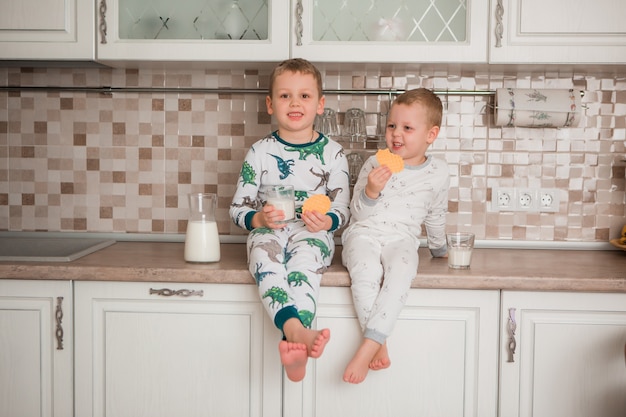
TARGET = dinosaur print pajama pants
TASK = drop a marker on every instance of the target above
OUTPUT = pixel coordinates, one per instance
(287, 265)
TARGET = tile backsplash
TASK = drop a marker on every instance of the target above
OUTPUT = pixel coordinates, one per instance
(124, 161)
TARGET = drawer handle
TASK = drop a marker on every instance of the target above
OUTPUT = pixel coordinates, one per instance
(166, 292)
(59, 319)
(511, 330)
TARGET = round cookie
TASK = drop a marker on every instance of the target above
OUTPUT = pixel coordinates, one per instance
(317, 202)
(394, 162)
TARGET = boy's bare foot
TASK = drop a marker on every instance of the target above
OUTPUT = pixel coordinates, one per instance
(294, 357)
(381, 359)
(357, 368)
(314, 340)
(317, 348)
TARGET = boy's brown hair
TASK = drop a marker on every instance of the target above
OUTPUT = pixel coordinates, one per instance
(297, 65)
(428, 99)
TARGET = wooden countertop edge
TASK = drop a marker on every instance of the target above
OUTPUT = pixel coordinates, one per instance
(595, 272)
(331, 279)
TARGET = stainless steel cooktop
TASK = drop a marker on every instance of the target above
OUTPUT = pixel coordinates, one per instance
(42, 249)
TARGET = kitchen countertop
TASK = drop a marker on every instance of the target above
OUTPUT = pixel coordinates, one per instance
(501, 269)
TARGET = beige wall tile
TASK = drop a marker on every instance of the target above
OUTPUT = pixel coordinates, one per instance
(124, 162)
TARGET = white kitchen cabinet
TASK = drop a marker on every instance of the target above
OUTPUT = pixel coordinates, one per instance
(563, 355)
(167, 349)
(390, 31)
(443, 352)
(36, 348)
(193, 31)
(557, 31)
(47, 30)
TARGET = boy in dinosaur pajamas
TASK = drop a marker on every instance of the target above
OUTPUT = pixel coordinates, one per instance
(380, 244)
(287, 259)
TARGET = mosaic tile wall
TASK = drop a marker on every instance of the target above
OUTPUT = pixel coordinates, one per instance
(124, 162)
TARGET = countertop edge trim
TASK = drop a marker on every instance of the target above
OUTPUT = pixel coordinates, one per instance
(173, 237)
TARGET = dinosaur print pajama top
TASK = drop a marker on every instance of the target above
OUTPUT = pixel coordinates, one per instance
(287, 264)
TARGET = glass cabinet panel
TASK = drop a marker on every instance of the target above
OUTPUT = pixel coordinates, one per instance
(402, 31)
(390, 20)
(200, 31)
(194, 19)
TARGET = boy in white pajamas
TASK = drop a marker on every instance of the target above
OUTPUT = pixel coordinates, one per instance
(380, 244)
(287, 259)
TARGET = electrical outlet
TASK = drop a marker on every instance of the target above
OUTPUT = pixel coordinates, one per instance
(525, 198)
(548, 200)
(503, 199)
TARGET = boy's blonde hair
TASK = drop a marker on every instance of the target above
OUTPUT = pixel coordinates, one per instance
(297, 65)
(428, 99)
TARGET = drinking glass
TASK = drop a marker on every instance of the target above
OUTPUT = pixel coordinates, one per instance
(381, 130)
(326, 123)
(355, 162)
(460, 246)
(282, 197)
(354, 125)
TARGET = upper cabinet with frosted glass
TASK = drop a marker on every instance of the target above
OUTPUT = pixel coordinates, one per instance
(271, 30)
(192, 30)
(395, 31)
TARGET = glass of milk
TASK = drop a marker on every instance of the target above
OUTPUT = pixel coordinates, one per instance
(460, 246)
(202, 241)
(282, 198)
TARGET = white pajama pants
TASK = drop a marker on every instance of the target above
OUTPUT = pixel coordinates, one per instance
(381, 268)
(287, 265)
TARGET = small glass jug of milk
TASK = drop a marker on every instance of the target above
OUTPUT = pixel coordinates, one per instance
(202, 241)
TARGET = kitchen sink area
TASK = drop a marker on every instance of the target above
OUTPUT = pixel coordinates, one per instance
(49, 249)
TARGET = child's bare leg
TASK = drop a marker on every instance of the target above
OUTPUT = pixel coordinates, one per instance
(294, 357)
(381, 359)
(314, 340)
(356, 371)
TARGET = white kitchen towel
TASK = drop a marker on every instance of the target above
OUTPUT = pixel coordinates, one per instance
(531, 107)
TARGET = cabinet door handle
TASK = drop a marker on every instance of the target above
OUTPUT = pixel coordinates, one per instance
(299, 10)
(166, 292)
(102, 26)
(58, 314)
(499, 27)
(511, 331)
